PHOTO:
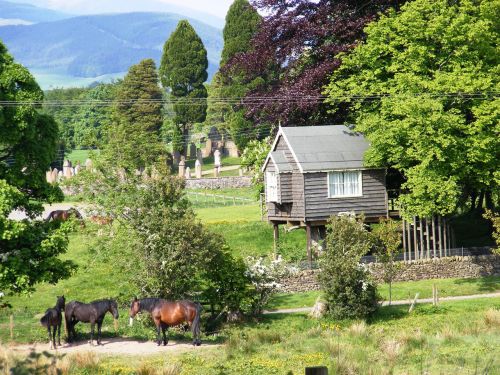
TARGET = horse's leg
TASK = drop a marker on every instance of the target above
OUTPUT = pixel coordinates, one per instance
(54, 335)
(164, 328)
(92, 326)
(158, 323)
(99, 325)
(59, 332)
(50, 335)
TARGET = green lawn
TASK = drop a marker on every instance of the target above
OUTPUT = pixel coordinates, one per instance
(208, 163)
(455, 338)
(401, 291)
(79, 156)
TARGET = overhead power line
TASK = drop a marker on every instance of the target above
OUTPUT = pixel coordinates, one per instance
(252, 100)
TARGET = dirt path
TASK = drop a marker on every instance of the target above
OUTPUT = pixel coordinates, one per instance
(115, 346)
(394, 303)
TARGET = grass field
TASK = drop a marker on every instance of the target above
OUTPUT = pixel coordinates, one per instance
(460, 338)
(79, 156)
(401, 291)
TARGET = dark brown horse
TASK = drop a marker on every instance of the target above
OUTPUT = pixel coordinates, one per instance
(169, 313)
(92, 313)
(53, 320)
(63, 215)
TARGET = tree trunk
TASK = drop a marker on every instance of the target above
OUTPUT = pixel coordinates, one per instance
(480, 201)
(488, 200)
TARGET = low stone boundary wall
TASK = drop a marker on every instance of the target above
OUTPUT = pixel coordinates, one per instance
(438, 268)
(219, 182)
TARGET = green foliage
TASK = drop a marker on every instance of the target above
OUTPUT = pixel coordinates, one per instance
(253, 158)
(133, 139)
(166, 251)
(430, 73)
(242, 21)
(495, 222)
(388, 241)
(347, 285)
(183, 71)
(29, 250)
(82, 123)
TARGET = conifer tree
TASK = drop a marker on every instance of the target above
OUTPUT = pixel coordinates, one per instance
(134, 137)
(242, 21)
(183, 72)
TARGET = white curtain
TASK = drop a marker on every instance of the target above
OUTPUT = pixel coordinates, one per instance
(344, 183)
(271, 187)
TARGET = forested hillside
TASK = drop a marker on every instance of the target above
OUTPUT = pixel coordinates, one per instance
(118, 41)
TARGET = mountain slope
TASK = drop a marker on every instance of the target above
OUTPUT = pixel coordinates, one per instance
(28, 13)
(95, 45)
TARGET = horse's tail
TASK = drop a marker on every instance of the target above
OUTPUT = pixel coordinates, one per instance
(44, 320)
(68, 312)
(196, 321)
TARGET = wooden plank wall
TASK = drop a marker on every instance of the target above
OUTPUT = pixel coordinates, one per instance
(320, 207)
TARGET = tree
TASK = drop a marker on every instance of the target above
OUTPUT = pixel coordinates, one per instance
(427, 82)
(183, 72)
(294, 52)
(29, 250)
(133, 138)
(347, 286)
(388, 241)
(164, 248)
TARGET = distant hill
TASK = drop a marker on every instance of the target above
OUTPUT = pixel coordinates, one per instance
(97, 45)
(19, 13)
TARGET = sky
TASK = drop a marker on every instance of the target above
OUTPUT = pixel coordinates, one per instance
(214, 7)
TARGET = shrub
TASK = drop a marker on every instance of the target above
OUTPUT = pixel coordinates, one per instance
(264, 276)
(348, 288)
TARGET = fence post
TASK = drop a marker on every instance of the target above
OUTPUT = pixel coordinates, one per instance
(12, 327)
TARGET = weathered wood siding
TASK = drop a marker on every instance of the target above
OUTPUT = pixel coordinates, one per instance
(319, 207)
(291, 188)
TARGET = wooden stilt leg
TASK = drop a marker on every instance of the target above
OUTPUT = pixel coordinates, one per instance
(440, 238)
(309, 245)
(434, 235)
(276, 235)
(404, 240)
(415, 237)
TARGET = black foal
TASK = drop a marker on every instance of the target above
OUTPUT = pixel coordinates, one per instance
(52, 320)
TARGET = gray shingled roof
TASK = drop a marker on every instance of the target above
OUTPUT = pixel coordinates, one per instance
(322, 148)
(280, 161)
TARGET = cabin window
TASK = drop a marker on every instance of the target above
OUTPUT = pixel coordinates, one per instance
(271, 186)
(344, 184)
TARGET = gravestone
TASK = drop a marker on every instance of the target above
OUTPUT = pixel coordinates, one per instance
(48, 176)
(182, 167)
(89, 165)
(67, 168)
(217, 159)
(207, 151)
(188, 173)
(231, 149)
(240, 171)
(55, 172)
(78, 168)
(59, 176)
(197, 167)
(176, 157)
(216, 172)
(199, 156)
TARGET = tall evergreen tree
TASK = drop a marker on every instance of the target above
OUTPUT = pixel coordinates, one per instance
(183, 72)
(133, 139)
(242, 21)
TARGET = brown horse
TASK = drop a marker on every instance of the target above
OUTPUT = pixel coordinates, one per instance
(63, 215)
(169, 313)
(101, 220)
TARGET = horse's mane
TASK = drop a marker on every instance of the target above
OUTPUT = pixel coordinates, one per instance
(101, 303)
(149, 303)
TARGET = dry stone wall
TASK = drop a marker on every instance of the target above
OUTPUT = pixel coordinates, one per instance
(443, 268)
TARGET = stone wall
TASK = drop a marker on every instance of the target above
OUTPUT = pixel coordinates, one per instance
(444, 268)
(219, 183)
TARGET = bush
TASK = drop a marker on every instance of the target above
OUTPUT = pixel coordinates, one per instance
(348, 288)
